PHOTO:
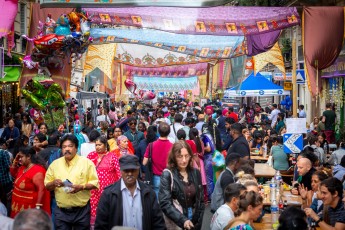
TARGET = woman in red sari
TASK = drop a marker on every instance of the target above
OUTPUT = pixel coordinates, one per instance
(28, 188)
(108, 171)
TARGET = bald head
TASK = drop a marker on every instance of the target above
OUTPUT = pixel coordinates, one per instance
(303, 166)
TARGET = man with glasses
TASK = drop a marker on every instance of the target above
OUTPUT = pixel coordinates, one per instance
(133, 134)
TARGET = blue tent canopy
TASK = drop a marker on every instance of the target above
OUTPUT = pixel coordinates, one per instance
(255, 86)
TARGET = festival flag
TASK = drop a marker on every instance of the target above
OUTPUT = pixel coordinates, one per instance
(273, 56)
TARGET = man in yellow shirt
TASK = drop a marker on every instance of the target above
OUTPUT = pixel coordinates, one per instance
(71, 178)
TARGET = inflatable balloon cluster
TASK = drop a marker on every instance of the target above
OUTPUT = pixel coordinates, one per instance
(287, 102)
(68, 36)
(42, 97)
(142, 94)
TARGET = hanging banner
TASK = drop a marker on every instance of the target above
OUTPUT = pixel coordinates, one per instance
(168, 84)
(205, 46)
(222, 20)
(335, 70)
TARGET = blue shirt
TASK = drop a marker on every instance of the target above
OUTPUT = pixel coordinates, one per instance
(132, 207)
(5, 164)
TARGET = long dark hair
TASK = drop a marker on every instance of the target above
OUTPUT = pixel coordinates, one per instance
(151, 134)
(19, 143)
(31, 152)
(194, 135)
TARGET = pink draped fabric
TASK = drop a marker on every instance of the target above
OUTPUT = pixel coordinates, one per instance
(8, 12)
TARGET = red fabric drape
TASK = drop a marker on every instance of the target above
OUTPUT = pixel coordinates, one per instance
(323, 33)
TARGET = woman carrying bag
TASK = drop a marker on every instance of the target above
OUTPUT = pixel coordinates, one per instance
(181, 191)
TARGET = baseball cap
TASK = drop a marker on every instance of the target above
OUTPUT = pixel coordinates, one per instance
(129, 162)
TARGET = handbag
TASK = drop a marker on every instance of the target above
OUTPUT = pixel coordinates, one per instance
(148, 167)
(171, 225)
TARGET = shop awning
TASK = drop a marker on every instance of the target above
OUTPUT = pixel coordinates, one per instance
(12, 73)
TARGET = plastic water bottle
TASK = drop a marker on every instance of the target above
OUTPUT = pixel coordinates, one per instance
(274, 214)
(278, 178)
(264, 147)
(273, 186)
(325, 147)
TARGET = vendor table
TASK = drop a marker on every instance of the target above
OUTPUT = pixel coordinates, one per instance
(259, 158)
(292, 200)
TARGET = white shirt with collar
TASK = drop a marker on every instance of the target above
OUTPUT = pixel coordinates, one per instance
(132, 207)
(273, 116)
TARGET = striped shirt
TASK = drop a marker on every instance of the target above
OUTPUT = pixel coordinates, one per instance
(337, 214)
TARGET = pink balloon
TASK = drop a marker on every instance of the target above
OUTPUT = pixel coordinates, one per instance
(131, 86)
(141, 93)
(148, 95)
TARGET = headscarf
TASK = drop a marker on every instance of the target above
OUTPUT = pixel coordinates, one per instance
(224, 112)
(123, 151)
(209, 110)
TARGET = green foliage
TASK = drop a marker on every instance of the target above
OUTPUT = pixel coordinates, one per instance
(286, 42)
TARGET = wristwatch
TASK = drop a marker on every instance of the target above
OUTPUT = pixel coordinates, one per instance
(320, 219)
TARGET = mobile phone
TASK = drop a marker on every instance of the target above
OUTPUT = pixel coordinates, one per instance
(67, 183)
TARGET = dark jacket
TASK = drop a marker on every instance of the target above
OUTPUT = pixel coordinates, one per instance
(110, 209)
(166, 196)
(241, 146)
(45, 153)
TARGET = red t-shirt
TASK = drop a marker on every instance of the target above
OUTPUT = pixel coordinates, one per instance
(160, 153)
(234, 116)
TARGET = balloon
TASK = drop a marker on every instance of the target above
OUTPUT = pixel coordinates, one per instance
(283, 102)
(148, 95)
(85, 27)
(131, 86)
(49, 25)
(56, 99)
(289, 103)
(32, 99)
(74, 18)
(63, 26)
(36, 116)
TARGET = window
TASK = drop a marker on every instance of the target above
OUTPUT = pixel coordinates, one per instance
(23, 26)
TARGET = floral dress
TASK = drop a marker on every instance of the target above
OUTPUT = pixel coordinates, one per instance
(108, 171)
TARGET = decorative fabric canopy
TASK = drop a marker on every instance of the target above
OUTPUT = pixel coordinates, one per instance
(273, 56)
(168, 84)
(206, 46)
(222, 20)
(137, 55)
(323, 36)
(255, 86)
(167, 71)
(8, 12)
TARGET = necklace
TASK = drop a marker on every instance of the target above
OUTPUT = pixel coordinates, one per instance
(24, 171)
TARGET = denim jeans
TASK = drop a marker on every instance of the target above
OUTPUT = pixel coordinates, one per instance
(156, 183)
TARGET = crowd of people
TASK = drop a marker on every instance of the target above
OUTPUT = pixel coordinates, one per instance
(157, 167)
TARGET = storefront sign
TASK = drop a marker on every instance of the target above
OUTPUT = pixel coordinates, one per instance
(280, 76)
(335, 70)
(287, 85)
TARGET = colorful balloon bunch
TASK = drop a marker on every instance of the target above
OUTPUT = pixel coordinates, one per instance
(67, 37)
(142, 94)
(41, 97)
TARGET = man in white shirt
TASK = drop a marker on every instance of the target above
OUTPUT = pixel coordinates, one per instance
(175, 127)
(274, 115)
(183, 112)
(225, 213)
(102, 117)
(89, 147)
(301, 112)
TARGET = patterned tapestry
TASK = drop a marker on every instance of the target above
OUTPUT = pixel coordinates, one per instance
(223, 20)
(167, 71)
(146, 56)
(168, 84)
(273, 56)
(206, 46)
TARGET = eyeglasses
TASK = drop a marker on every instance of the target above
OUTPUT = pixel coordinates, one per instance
(132, 123)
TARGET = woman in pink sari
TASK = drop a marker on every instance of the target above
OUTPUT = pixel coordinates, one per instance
(197, 147)
(108, 171)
